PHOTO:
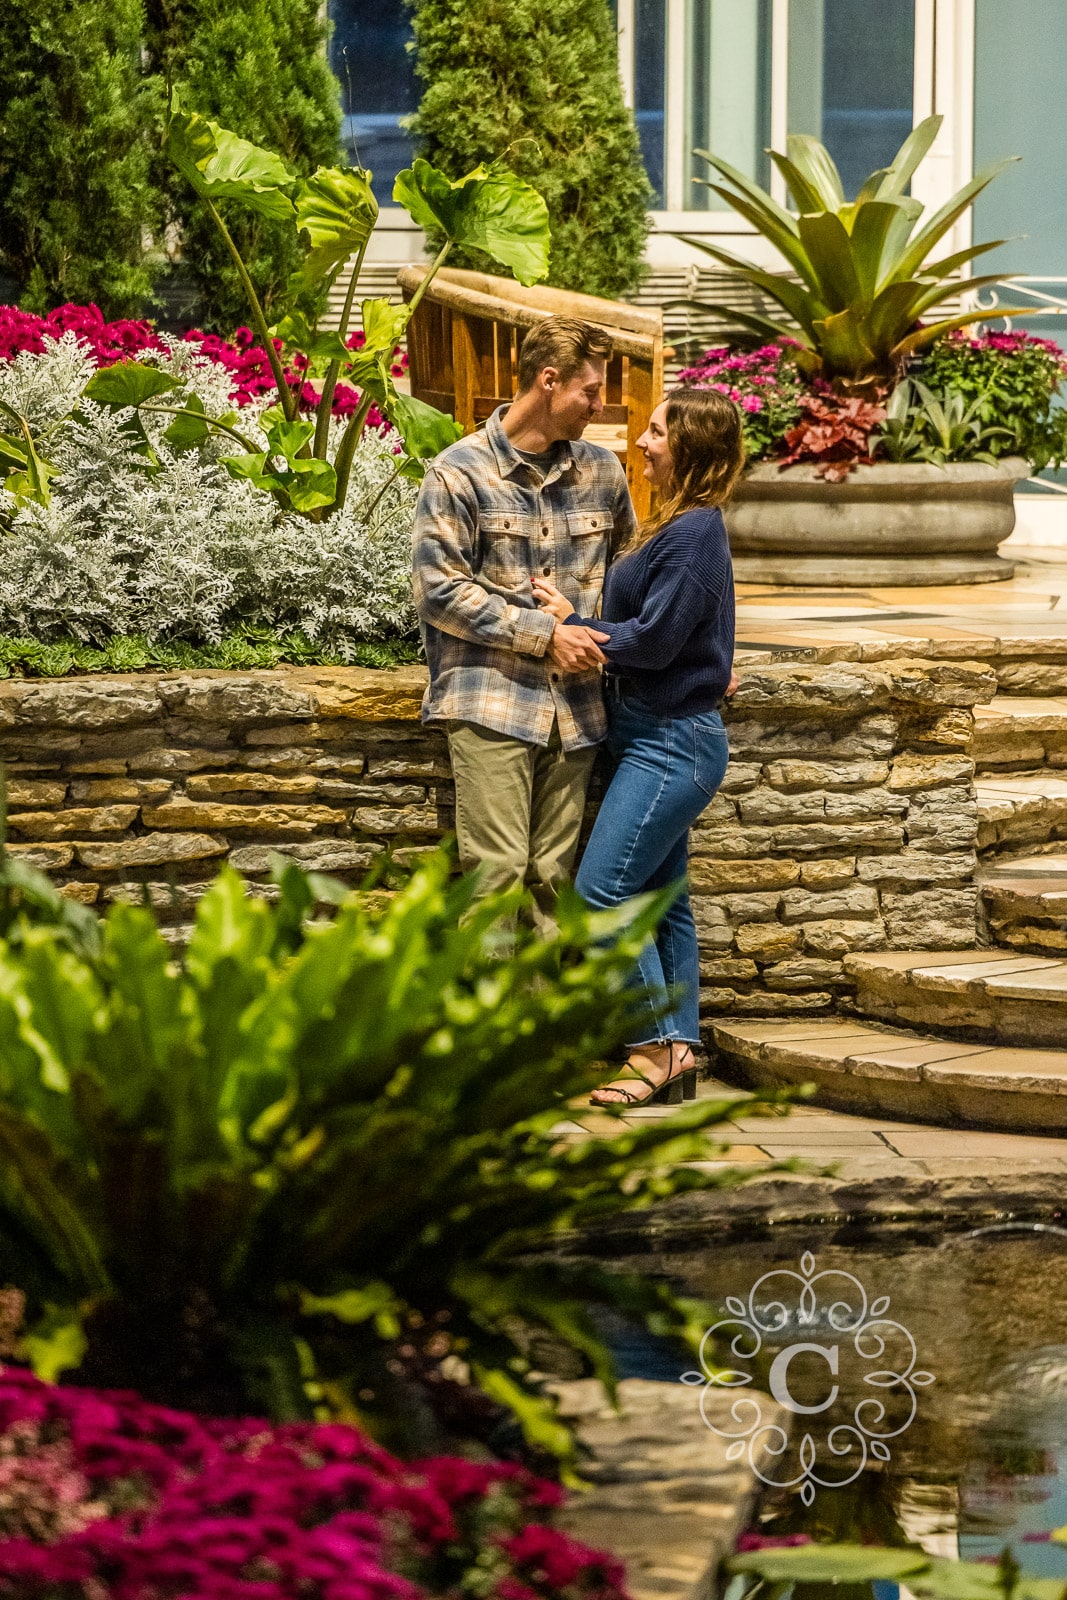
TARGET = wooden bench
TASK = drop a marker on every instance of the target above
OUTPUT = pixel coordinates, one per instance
(463, 344)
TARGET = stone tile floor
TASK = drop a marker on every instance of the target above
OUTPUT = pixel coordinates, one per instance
(970, 618)
(821, 1138)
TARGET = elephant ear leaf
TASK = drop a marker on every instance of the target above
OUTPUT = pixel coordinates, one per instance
(220, 166)
(383, 324)
(369, 365)
(424, 430)
(490, 209)
(128, 383)
(337, 210)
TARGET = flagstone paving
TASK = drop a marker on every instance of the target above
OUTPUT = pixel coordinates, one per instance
(976, 620)
(821, 1138)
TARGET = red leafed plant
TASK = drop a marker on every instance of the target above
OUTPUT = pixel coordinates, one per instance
(106, 1497)
(834, 433)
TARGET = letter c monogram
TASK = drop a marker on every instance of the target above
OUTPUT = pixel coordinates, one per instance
(779, 1379)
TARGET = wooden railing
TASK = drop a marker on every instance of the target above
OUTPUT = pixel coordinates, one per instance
(463, 345)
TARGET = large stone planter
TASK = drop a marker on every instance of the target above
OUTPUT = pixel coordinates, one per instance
(885, 524)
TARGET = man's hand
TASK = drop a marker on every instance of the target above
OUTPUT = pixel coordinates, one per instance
(576, 649)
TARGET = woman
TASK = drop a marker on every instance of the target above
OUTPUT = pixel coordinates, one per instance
(668, 611)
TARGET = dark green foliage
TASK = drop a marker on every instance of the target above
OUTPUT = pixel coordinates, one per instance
(312, 1159)
(259, 67)
(1013, 381)
(536, 82)
(75, 151)
(237, 652)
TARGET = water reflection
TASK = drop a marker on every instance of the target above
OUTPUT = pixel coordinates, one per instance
(984, 1463)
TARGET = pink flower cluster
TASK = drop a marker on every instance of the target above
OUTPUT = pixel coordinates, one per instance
(760, 1541)
(1011, 344)
(748, 377)
(133, 1501)
(246, 361)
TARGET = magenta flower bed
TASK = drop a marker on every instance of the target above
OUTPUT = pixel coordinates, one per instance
(121, 341)
(106, 1497)
(766, 384)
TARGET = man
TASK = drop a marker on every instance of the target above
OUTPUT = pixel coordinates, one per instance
(518, 692)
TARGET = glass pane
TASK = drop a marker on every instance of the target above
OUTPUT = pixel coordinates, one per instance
(650, 87)
(851, 84)
(728, 107)
(378, 85)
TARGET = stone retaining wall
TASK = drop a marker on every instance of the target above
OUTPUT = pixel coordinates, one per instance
(847, 820)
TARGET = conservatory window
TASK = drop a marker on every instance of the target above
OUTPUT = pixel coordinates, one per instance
(852, 84)
(369, 54)
(728, 99)
(735, 76)
(650, 89)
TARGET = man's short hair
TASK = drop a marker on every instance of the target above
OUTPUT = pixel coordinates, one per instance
(565, 343)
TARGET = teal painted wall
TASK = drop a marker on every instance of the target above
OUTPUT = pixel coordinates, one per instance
(1021, 110)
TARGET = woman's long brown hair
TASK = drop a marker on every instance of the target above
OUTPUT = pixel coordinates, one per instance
(707, 446)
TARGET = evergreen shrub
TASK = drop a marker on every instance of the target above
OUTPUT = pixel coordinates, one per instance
(260, 68)
(537, 82)
(76, 194)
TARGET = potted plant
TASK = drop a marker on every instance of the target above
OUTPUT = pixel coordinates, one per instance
(856, 478)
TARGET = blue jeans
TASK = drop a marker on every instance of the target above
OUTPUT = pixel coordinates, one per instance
(666, 771)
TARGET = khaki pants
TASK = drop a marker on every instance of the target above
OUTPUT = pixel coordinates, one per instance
(519, 810)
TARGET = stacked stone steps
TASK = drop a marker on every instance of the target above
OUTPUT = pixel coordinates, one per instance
(1019, 809)
(1015, 733)
(1024, 903)
(863, 1067)
(995, 995)
(952, 1035)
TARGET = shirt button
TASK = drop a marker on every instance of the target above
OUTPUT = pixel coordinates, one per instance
(545, 532)
(555, 677)
(546, 571)
(507, 524)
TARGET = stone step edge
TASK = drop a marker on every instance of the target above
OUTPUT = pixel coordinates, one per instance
(860, 1067)
(928, 972)
(1026, 914)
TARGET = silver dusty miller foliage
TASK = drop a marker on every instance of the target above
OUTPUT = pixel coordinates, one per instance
(179, 549)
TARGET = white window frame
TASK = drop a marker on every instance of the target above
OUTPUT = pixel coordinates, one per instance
(944, 82)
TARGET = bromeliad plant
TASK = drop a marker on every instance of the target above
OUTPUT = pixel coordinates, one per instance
(860, 277)
(333, 212)
(922, 426)
(308, 1169)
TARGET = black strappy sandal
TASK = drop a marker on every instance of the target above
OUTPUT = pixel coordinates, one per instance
(676, 1087)
(688, 1074)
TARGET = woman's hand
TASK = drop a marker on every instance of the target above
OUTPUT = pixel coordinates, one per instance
(549, 599)
(732, 685)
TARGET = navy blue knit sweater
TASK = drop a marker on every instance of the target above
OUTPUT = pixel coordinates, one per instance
(669, 611)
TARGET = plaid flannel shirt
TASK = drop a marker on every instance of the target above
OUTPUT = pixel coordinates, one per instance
(486, 521)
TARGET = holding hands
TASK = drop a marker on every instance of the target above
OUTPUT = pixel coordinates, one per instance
(574, 649)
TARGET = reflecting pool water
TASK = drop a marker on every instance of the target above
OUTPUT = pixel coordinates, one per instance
(972, 1462)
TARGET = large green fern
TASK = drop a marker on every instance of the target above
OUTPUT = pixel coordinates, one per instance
(310, 1160)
